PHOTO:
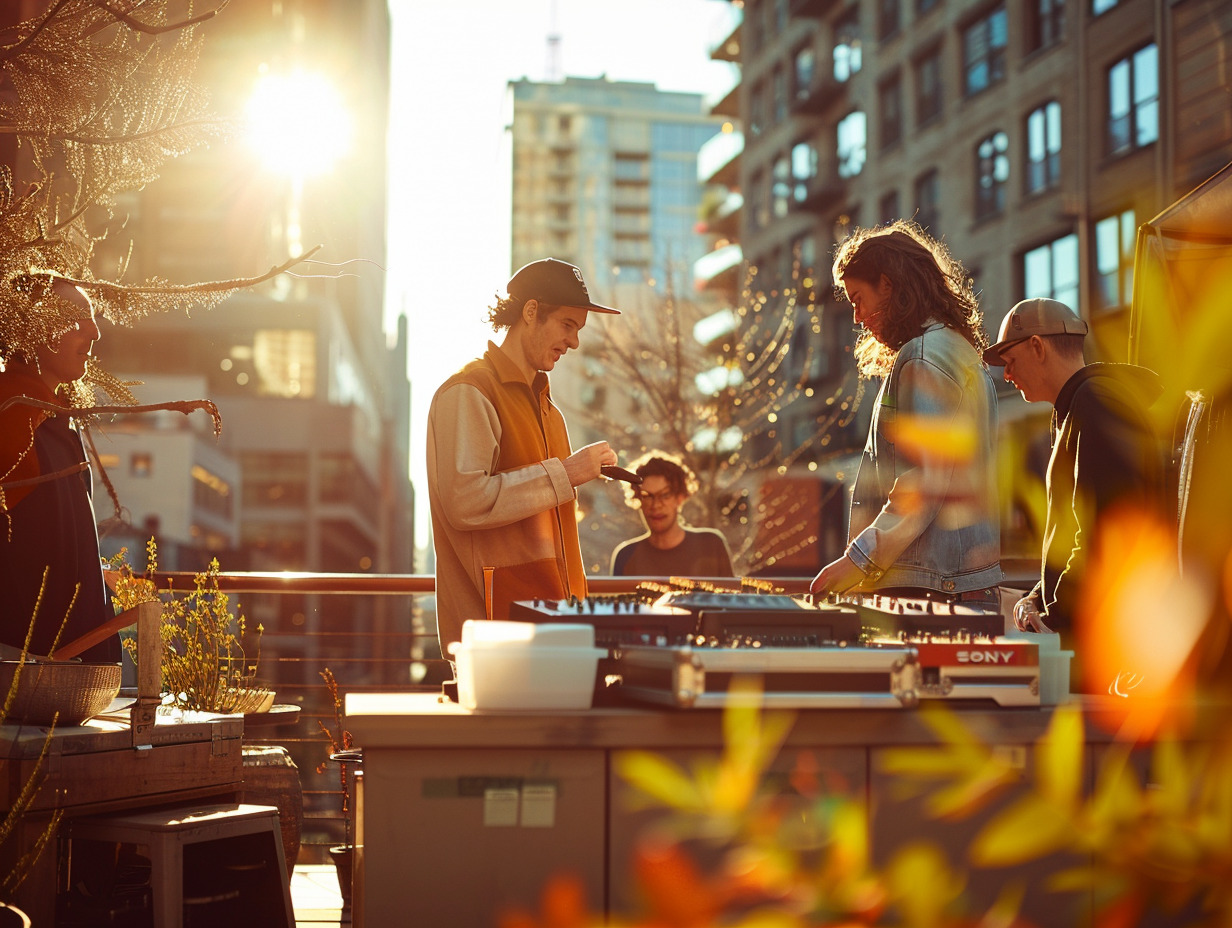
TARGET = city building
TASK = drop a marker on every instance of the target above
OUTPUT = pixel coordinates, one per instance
(1032, 136)
(605, 176)
(314, 400)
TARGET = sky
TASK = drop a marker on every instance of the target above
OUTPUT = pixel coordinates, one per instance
(449, 183)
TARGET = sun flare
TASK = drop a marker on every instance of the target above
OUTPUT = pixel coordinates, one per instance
(298, 123)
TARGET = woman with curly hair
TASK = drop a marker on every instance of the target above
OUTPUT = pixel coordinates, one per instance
(924, 517)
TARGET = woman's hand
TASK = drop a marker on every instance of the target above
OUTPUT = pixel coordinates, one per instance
(838, 576)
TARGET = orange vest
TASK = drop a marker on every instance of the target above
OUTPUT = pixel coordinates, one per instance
(536, 557)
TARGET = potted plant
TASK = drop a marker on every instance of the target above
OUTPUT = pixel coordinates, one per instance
(341, 750)
(205, 667)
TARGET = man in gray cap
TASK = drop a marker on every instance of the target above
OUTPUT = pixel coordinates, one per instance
(1104, 451)
(502, 477)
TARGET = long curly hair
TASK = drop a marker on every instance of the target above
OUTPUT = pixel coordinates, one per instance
(928, 284)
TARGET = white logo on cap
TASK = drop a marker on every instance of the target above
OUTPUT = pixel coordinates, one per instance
(578, 275)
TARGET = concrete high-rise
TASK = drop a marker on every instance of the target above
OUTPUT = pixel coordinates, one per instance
(605, 176)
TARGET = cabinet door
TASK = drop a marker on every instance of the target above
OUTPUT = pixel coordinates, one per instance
(454, 837)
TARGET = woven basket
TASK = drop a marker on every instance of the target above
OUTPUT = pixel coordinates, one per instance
(77, 691)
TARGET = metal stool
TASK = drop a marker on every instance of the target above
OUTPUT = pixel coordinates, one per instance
(168, 832)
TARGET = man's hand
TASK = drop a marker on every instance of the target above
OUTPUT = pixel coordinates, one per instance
(583, 465)
(837, 577)
(1027, 617)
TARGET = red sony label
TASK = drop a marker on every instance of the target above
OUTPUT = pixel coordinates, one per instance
(977, 654)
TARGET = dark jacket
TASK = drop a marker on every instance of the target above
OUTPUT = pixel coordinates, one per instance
(48, 528)
(1105, 454)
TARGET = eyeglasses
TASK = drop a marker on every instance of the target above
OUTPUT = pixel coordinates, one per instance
(662, 499)
(1008, 362)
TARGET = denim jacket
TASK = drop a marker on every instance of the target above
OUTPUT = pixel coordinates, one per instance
(924, 507)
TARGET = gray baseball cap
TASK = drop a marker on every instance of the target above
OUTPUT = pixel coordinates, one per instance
(1038, 316)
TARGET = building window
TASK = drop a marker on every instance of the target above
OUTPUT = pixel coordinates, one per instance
(1045, 20)
(1044, 148)
(992, 170)
(890, 110)
(1133, 101)
(780, 15)
(1114, 260)
(211, 492)
(274, 479)
(808, 357)
(852, 144)
(924, 6)
(804, 251)
(141, 464)
(757, 109)
(984, 52)
(780, 187)
(847, 52)
(803, 169)
(759, 204)
(805, 69)
(927, 200)
(780, 95)
(887, 207)
(1102, 6)
(888, 16)
(928, 96)
(1052, 271)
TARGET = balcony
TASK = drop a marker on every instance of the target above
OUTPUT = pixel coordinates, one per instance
(821, 95)
(719, 269)
(718, 160)
(729, 103)
(812, 9)
(724, 218)
(727, 35)
(821, 194)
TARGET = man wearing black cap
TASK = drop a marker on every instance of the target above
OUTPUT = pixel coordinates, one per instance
(501, 473)
(1104, 451)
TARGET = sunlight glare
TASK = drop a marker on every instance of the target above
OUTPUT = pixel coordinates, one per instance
(298, 123)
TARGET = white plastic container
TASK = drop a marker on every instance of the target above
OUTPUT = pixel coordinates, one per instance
(526, 665)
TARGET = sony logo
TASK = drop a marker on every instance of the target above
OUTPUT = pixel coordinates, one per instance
(985, 657)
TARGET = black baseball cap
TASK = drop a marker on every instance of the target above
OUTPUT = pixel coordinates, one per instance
(556, 282)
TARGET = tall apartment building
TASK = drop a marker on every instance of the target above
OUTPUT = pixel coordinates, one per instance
(605, 177)
(315, 404)
(1032, 136)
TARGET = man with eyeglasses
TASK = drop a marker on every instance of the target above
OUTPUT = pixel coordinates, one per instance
(669, 548)
(1104, 451)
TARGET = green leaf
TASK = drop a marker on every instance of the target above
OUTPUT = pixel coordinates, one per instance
(660, 779)
(1030, 828)
(1059, 757)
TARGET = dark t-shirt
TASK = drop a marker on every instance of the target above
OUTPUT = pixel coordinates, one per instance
(703, 553)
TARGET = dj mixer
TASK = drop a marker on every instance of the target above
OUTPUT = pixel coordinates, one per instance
(681, 644)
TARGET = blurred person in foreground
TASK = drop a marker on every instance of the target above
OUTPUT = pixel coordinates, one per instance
(924, 518)
(1105, 454)
(46, 511)
(502, 477)
(669, 548)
